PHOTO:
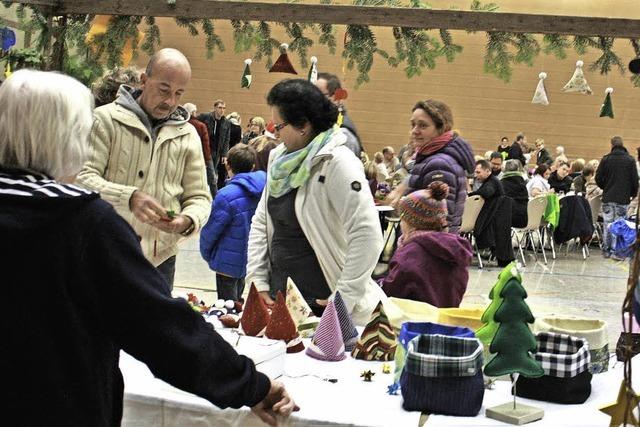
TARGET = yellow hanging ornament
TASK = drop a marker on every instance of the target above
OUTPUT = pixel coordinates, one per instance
(7, 70)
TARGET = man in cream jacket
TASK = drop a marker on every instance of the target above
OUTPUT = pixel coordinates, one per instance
(146, 160)
(336, 212)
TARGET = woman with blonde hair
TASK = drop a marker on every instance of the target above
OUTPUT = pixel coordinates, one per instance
(263, 145)
(256, 128)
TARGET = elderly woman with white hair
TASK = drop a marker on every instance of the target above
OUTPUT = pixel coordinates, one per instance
(65, 247)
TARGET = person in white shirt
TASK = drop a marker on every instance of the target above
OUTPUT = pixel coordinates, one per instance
(538, 184)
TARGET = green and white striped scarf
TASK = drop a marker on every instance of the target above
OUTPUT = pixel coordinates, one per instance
(292, 170)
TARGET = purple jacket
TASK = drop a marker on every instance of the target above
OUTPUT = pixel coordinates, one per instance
(450, 165)
(431, 267)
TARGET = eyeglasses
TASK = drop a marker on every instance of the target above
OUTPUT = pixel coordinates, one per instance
(280, 126)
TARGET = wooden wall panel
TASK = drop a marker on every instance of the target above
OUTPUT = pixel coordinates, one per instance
(484, 107)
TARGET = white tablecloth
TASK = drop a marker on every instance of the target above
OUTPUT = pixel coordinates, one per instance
(350, 401)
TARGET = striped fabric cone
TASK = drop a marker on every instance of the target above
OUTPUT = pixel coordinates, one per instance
(282, 327)
(349, 332)
(298, 307)
(255, 315)
(327, 342)
(378, 341)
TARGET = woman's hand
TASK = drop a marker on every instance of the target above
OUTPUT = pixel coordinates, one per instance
(267, 298)
(394, 197)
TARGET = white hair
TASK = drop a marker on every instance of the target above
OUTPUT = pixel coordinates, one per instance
(190, 107)
(45, 121)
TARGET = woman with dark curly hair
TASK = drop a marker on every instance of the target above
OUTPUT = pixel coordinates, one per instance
(316, 221)
(441, 155)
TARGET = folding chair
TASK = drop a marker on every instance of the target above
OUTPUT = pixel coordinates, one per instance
(535, 211)
(472, 207)
(596, 206)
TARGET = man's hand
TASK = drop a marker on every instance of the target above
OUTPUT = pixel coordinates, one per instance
(276, 403)
(179, 224)
(145, 208)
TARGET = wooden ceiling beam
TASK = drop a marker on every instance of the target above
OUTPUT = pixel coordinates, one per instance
(356, 15)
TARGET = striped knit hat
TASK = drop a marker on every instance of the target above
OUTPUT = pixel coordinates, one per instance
(426, 209)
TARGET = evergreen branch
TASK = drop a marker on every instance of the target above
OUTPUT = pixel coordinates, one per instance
(327, 37)
(188, 23)
(265, 44)
(608, 59)
(449, 49)
(582, 43)
(213, 41)
(151, 39)
(359, 49)
(556, 45)
(478, 6)
(527, 48)
(498, 59)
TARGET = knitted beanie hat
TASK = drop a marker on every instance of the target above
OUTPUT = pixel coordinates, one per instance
(426, 209)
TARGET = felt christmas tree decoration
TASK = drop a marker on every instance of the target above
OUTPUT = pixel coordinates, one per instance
(607, 107)
(349, 332)
(313, 71)
(540, 96)
(514, 342)
(578, 83)
(378, 340)
(282, 64)
(486, 333)
(327, 342)
(255, 315)
(298, 307)
(246, 79)
(282, 327)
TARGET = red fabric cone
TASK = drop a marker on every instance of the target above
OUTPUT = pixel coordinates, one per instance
(282, 327)
(255, 316)
(282, 64)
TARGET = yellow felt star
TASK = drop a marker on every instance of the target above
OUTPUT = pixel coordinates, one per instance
(618, 410)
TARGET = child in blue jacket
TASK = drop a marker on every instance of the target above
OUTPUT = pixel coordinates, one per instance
(224, 239)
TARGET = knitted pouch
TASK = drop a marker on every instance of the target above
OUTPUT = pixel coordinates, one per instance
(565, 360)
(443, 375)
(410, 330)
(635, 345)
(591, 330)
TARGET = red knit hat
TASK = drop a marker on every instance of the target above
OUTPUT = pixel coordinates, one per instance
(426, 209)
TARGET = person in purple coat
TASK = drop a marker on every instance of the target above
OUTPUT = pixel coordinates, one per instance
(441, 155)
(430, 265)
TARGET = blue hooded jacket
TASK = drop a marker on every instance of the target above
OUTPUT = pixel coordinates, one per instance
(224, 239)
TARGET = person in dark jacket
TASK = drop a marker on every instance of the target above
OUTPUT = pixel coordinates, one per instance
(60, 361)
(441, 155)
(219, 129)
(617, 175)
(430, 265)
(203, 133)
(580, 182)
(503, 147)
(493, 226)
(559, 180)
(516, 151)
(224, 239)
(542, 156)
(515, 188)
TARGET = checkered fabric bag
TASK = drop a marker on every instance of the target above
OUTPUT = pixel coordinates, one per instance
(565, 360)
(443, 375)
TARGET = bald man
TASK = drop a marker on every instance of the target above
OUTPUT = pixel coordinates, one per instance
(146, 160)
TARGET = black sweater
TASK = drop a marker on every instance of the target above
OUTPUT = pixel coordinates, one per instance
(78, 290)
(617, 175)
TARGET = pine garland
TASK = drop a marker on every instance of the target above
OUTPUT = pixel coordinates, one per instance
(416, 49)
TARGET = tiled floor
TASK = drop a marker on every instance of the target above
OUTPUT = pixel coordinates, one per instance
(568, 285)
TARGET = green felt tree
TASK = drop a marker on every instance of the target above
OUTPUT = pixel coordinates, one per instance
(486, 333)
(514, 343)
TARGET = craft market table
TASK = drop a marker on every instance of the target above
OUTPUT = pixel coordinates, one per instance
(349, 401)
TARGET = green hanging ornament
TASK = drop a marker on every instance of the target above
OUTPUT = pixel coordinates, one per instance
(607, 106)
(246, 74)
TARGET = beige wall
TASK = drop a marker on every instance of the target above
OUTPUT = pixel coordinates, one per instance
(484, 107)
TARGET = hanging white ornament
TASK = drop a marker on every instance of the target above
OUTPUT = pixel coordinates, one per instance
(578, 83)
(540, 96)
